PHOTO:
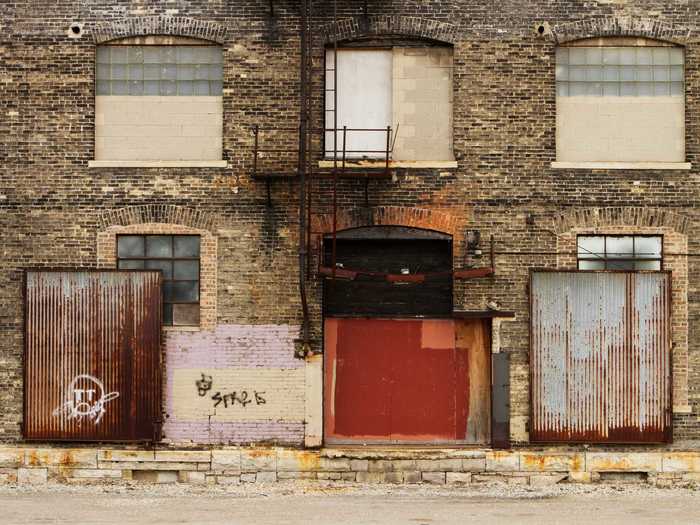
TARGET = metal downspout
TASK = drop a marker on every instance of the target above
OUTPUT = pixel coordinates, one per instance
(303, 129)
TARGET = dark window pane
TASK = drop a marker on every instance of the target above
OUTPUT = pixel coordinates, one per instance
(130, 265)
(186, 245)
(167, 314)
(620, 265)
(168, 291)
(130, 246)
(188, 270)
(185, 291)
(165, 265)
(159, 246)
(186, 314)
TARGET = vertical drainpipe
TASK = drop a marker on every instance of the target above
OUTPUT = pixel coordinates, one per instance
(303, 130)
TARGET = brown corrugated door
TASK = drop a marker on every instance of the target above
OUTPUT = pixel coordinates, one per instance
(601, 357)
(92, 355)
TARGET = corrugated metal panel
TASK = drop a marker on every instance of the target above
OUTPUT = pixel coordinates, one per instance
(92, 355)
(600, 357)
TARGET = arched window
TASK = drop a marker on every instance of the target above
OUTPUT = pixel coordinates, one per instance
(402, 84)
(620, 100)
(159, 99)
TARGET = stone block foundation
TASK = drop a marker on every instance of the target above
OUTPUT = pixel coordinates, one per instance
(233, 465)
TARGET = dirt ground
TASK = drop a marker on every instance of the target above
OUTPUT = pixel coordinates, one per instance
(315, 503)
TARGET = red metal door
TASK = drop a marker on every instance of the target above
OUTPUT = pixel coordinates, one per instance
(401, 380)
(92, 355)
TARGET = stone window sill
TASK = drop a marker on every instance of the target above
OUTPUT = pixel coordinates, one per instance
(682, 409)
(182, 328)
(622, 165)
(157, 164)
(379, 164)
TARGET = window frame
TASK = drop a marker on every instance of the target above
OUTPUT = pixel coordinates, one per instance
(172, 260)
(606, 259)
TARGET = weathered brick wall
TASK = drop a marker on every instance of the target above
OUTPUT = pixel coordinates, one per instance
(53, 207)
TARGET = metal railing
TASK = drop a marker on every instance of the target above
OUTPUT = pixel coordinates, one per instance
(284, 157)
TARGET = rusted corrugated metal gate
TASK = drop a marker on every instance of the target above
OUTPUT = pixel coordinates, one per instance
(92, 355)
(600, 357)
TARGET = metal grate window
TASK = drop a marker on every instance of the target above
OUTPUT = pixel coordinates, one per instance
(620, 252)
(619, 71)
(177, 256)
(159, 70)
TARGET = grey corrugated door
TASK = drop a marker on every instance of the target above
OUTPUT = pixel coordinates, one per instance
(601, 357)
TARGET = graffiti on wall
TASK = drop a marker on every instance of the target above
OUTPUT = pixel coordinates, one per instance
(242, 397)
(204, 385)
(85, 399)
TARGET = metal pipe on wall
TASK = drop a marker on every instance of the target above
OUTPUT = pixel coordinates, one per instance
(302, 166)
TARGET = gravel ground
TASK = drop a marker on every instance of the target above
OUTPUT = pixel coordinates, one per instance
(337, 503)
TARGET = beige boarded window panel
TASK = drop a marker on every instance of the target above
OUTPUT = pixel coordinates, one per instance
(407, 88)
(423, 103)
(159, 103)
(620, 104)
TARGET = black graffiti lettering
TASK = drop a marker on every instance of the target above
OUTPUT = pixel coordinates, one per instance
(242, 397)
(203, 385)
(217, 397)
(243, 400)
(231, 398)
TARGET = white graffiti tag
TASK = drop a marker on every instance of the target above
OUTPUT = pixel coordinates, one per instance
(85, 398)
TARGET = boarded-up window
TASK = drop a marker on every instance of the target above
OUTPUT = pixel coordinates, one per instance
(382, 250)
(620, 103)
(407, 88)
(600, 357)
(158, 102)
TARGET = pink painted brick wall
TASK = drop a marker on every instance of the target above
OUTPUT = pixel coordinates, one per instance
(233, 350)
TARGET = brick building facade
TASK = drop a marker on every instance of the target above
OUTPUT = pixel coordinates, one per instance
(64, 207)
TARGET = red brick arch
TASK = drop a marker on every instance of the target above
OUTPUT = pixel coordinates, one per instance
(390, 216)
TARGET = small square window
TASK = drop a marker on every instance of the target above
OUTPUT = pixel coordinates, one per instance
(177, 258)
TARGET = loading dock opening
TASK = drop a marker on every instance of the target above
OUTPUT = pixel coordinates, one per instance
(399, 367)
